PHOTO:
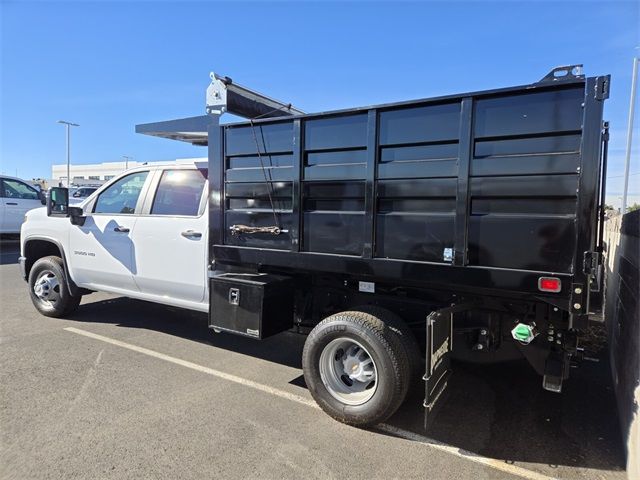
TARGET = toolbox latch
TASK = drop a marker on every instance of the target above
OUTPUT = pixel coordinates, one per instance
(234, 296)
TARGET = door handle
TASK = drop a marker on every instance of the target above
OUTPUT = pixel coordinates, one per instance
(191, 234)
(12, 203)
(120, 229)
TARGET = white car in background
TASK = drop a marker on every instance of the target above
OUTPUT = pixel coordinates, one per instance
(80, 194)
(17, 197)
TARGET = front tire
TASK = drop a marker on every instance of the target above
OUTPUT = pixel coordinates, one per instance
(49, 290)
(356, 367)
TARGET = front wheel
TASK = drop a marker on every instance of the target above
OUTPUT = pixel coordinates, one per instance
(48, 288)
(356, 367)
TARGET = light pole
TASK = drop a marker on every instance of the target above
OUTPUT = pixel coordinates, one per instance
(126, 161)
(67, 125)
(627, 162)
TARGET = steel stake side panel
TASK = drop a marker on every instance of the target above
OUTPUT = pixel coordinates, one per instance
(488, 190)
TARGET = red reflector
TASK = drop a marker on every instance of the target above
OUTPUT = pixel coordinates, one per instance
(549, 284)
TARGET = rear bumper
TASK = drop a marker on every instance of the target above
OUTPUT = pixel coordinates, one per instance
(23, 269)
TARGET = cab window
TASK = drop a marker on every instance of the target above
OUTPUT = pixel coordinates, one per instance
(18, 190)
(179, 193)
(122, 196)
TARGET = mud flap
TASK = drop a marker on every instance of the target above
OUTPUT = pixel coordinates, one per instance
(438, 353)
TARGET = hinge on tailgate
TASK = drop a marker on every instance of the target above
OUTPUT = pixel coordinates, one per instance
(590, 262)
(602, 87)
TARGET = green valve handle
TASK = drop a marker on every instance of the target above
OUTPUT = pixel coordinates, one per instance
(523, 333)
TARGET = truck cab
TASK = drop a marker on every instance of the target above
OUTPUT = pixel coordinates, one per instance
(142, 235)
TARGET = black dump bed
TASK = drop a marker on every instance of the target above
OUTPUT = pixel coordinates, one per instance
(487, 190)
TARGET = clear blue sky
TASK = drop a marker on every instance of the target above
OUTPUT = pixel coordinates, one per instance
(111, 65)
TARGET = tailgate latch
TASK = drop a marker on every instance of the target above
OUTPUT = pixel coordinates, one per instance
(602, 87)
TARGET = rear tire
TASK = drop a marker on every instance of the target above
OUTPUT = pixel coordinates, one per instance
(49, 290)
(356, 367)
(405, 335)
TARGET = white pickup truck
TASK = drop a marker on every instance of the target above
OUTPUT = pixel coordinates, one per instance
(143, 235)
(390, 233)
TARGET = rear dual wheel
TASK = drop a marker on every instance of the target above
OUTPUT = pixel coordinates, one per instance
(358, 365)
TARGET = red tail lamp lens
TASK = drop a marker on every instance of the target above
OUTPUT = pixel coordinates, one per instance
(549, 284)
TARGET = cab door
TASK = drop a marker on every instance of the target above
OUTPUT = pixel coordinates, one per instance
(102, 252)
(170, 237)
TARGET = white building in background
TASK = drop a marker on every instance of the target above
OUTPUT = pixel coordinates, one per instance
(98, 173)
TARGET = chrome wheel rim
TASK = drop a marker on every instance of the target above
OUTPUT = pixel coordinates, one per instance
(47, 288)
(348, 371)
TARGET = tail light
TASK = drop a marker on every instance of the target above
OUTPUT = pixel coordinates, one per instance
(549, 284)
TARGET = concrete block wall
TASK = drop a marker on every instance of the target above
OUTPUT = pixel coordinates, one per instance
(622, 317)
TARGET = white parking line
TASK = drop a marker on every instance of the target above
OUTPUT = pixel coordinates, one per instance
(199, 368)
(489, 462)
(458, 452)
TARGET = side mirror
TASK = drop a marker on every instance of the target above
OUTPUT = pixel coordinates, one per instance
(42, 196)
(76, 215)
(58, 202)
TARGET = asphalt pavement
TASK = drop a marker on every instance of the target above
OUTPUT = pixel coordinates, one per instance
(129, 389)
